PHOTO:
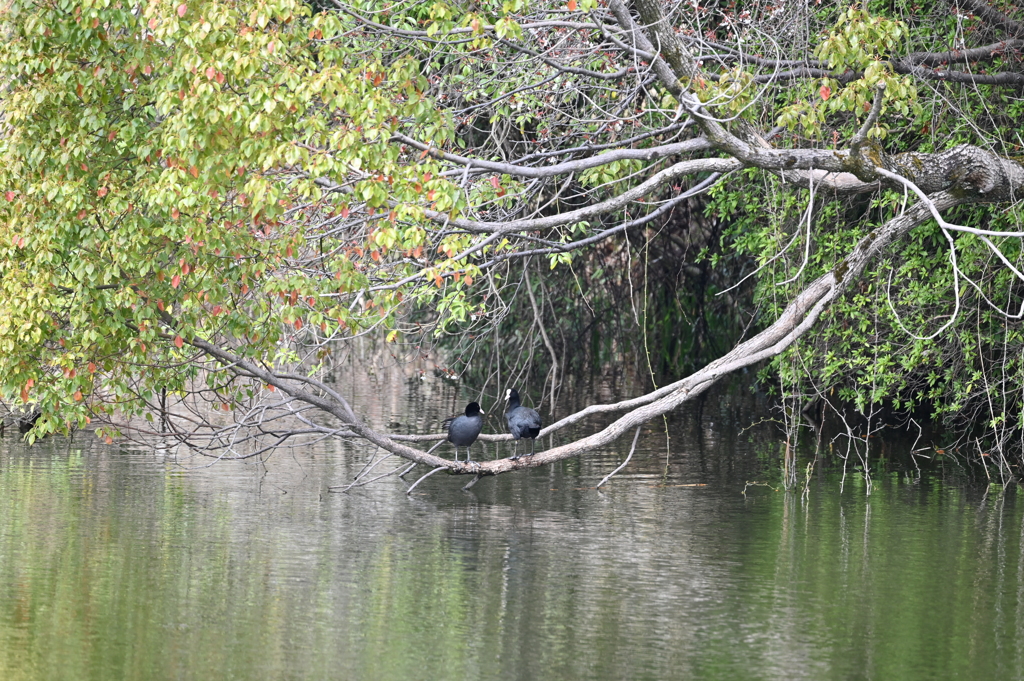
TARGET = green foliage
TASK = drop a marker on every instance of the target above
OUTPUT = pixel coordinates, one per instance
(863, 43)
(610, 172)
(911, 338)
(884, 343)
(160, 179)
(734, 91)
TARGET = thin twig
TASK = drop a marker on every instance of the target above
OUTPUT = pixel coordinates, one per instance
(356, 483)
(544, 335)
(409, 491)
(623, 464)
(862, 135)
(367, 482)
(369, 464)
(406, 471)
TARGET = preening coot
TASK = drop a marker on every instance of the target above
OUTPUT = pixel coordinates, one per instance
(522, 421)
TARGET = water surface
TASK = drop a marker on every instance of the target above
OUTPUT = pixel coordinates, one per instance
(134, 564)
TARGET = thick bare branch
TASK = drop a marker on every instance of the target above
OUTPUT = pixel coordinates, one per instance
(992, 16)
(515, 170)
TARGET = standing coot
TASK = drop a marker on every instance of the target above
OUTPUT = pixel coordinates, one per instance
(463, 429)
(522, 421)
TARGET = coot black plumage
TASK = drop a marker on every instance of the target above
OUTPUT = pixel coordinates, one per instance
(522, 421)
(463, 429)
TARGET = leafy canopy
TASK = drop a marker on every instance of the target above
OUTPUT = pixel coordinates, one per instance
(162, 166)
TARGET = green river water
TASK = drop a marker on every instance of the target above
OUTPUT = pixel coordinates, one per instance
(131, 564)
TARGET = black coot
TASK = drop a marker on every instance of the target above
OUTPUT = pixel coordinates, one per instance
(522, 421)
(463, 429)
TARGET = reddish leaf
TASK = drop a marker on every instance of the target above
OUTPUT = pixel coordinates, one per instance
(175, 214)
(152, 26)
(92, 367)
(102, 191)
(217, 309)
(178, 342)
(175, 281)
(194, 171)
(78, 396)
(572, 5)
(825, 92)
(495, 183)
(344, 212)
(298, 324)
(81, 214)
(9, 196)
(182, 8)
(211, 73)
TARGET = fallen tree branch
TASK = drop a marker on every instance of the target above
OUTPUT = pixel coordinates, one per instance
(798, 318)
